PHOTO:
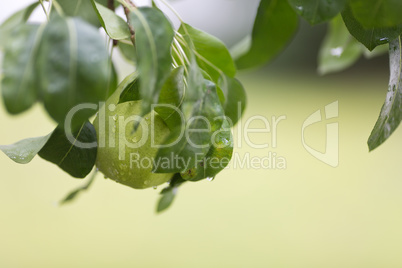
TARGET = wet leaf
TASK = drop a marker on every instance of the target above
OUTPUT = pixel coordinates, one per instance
(391, 112)
(20, 85)
(217, 158)
(317, 11)
(370, 37)
(274, 26)
(193, 142)
(211, 53)
(235, 98)
(75, 153)
(24, 151)
(339, 50)
(170, 99)
(377, 13)
(74, 68)
(153, 39)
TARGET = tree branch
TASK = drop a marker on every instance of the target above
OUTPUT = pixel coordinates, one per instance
(110, 4)
(127, 12)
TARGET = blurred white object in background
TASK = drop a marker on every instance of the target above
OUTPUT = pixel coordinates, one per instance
(229, 20)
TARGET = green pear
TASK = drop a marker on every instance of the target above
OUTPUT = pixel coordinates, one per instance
(124, 155)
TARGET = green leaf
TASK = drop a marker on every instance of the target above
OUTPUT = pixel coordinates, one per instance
(18, 18)
(195, 81)
(24, 151)
(339, 50)
(130, 91)
(217, 158)
(221, 95)
(127, 51)
(166, 200)
(112, 80)
(371, 37)
(82, 9)
(192, 143)
(74, 67)
(75, 153)
(171, 98)
(274, 26)
(74, 194)
(19, 85)
(211, 53)
(235, 98)
(317, 11)
(153, 39)
(391, 112)
(377, 13)
(114, 25)
(169, 193)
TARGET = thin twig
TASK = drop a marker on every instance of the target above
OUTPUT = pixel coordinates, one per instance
(127, 12)
(110, 4)
(129, 5)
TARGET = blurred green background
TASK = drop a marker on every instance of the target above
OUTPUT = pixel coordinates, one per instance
(308, 215)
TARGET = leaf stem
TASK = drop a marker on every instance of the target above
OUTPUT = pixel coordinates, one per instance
(178, 46)
(180, 56)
